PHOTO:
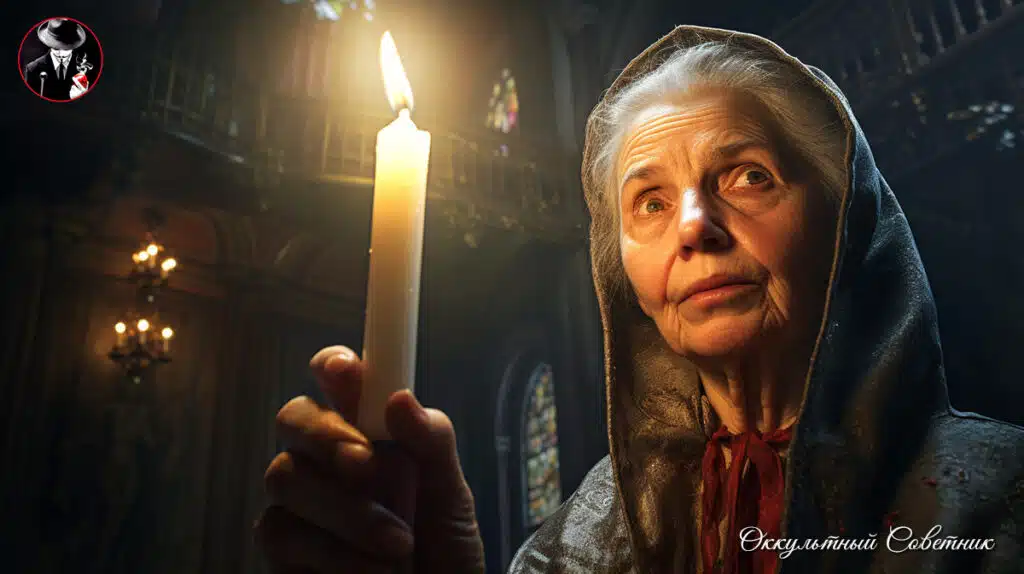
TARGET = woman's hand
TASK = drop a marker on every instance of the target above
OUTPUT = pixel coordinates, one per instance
(321, 517)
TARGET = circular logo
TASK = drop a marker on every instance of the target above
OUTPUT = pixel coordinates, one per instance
(60, 59)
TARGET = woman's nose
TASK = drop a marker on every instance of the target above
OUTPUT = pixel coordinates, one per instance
(698, 231)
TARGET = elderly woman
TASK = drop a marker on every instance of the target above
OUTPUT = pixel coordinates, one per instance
(775, 383)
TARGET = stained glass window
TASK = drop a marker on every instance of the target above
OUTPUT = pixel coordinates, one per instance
(334, 9)
(503, 107)
(540, 448)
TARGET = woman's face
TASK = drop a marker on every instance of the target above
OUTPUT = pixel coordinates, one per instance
(726, 239)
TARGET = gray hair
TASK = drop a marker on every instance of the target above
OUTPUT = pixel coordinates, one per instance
(807, 122)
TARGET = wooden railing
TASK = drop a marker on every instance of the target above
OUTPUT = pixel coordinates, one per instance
(480, 178)
(925, 77)
(325, 141)
(870, 45)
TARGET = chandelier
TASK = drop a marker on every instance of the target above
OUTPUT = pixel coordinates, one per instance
(143, 342)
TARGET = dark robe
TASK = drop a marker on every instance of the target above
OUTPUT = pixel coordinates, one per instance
(54, 88)
(877, 446)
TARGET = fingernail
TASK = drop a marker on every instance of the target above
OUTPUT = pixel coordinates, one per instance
(338, 362)
(418, 410)
(355, 452)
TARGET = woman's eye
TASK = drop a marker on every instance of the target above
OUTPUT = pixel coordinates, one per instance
(752, 177)
(653, 206)
(649, 205)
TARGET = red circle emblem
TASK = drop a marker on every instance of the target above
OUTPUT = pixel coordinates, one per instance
(60, 59)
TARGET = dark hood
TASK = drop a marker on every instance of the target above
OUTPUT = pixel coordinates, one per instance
(874, 382)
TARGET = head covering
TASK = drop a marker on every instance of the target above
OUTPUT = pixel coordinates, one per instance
(876, 437)
(61, 34)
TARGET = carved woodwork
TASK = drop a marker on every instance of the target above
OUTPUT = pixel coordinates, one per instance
(945, 62)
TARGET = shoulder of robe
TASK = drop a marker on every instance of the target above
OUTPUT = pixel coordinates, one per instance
(587, 534)
(976, 470)
(980, 455)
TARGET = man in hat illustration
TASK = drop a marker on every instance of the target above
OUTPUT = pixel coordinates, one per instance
(51, 75)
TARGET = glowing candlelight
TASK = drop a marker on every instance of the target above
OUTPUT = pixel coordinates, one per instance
(167, 333)
(120, 329)
(396, 250)
(167, 266)
(143, 326)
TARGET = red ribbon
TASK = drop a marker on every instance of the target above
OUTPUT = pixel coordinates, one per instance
(754, 499)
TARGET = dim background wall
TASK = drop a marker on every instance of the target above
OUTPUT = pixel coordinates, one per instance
(166, 476)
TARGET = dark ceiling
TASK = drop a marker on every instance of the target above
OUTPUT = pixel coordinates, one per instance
(755, 16)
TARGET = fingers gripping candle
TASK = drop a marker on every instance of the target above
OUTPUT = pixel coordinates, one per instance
(396, 251)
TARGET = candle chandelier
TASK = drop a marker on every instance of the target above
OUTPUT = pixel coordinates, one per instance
(143, 342)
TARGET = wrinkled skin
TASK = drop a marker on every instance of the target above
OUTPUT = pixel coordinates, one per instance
(322, 517)
(708, 189)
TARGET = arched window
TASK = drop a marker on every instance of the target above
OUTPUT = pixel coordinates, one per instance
(503, 107)
(543, 491)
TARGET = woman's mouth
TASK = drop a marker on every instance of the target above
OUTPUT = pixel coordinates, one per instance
(717, 288)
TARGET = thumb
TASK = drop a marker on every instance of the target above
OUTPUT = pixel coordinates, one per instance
(447, 533)
(429, 437)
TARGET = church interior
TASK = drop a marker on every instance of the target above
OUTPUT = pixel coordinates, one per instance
(213, 192)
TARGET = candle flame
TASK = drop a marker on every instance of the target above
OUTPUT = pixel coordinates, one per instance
(396, 84)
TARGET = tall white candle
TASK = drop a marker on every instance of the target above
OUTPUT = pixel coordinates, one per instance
(396, 251)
